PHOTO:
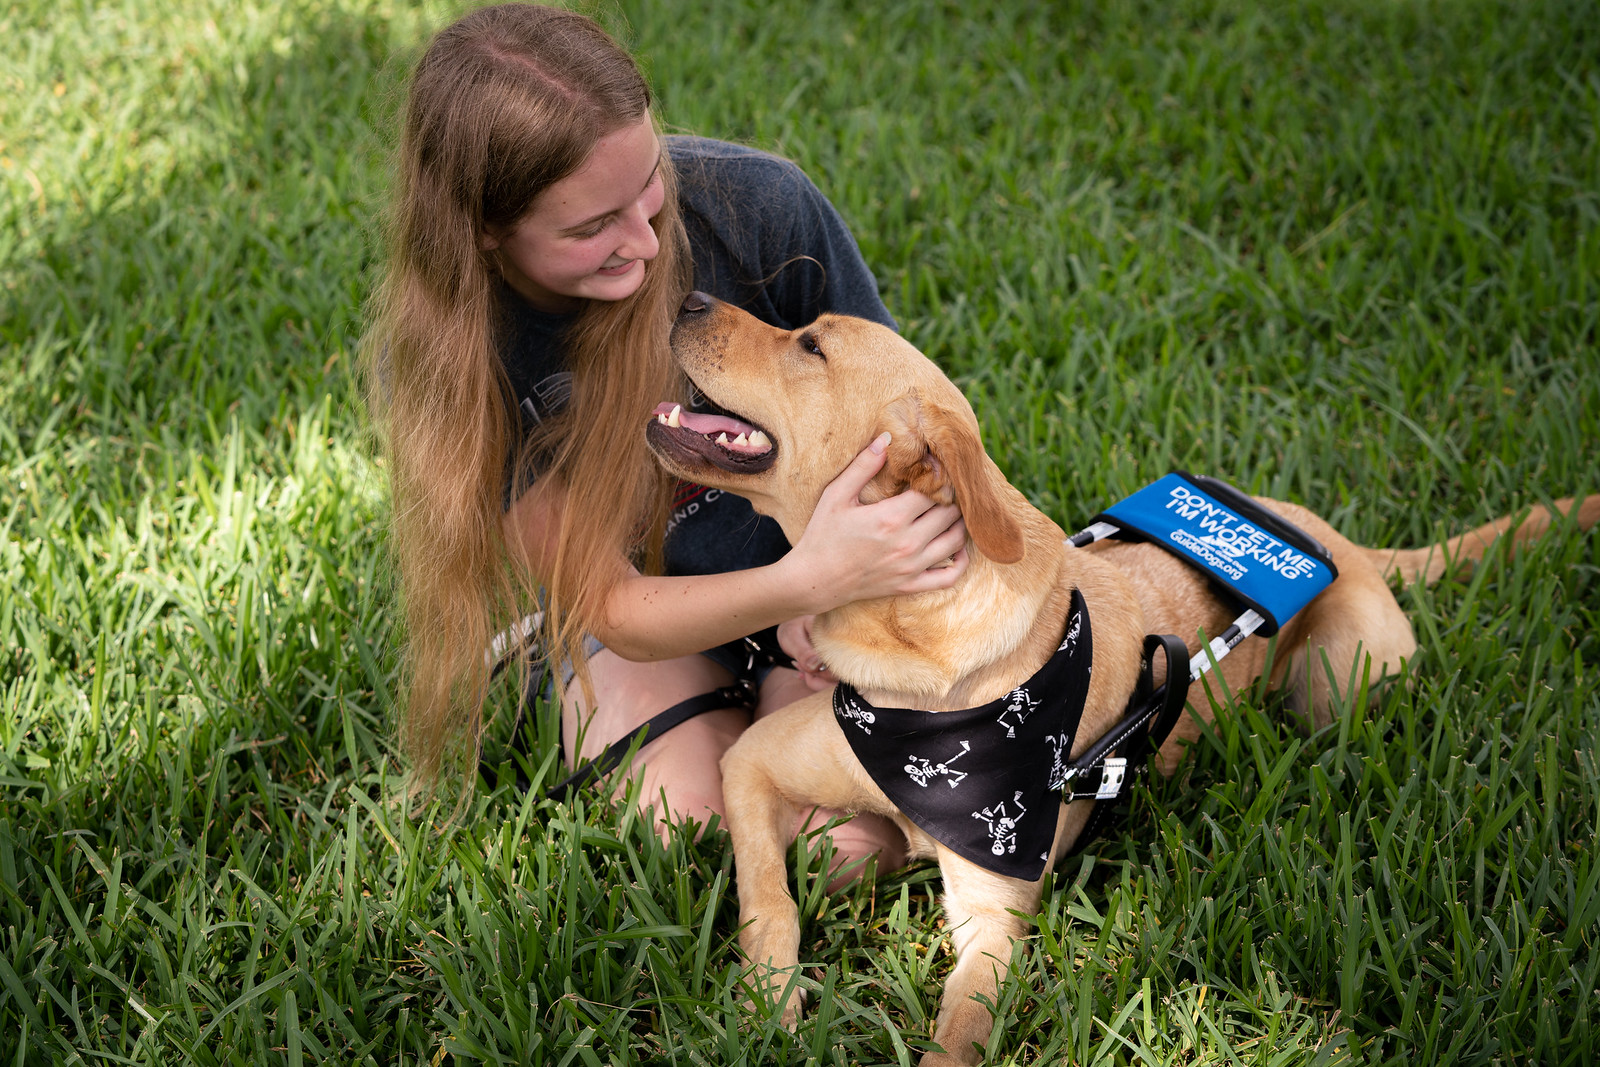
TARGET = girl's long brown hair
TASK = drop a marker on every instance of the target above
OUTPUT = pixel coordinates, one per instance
(504, 103)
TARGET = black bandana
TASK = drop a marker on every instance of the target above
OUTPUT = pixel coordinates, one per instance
(985, 782)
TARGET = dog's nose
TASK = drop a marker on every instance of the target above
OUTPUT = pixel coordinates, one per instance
(696, 302)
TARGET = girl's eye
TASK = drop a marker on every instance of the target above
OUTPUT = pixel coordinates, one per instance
(593, 231)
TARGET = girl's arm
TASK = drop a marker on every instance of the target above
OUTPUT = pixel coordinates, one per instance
(849, 551)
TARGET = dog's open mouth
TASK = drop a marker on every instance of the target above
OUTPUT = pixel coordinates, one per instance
(722, 440)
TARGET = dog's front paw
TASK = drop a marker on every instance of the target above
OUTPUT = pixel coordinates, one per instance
(773, 951)
(945, 1059)
(778, 991)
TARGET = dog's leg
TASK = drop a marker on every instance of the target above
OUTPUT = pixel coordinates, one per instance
(1361, 630)
(782, 767)
(759, 821)
(979, 910)
(1354, 620)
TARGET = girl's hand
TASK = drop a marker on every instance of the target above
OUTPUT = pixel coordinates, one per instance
(853, 551)
(794, 637)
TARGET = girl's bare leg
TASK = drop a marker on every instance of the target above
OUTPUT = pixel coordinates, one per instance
(678, 770)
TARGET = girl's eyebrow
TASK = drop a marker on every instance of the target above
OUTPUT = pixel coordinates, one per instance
(586, 223)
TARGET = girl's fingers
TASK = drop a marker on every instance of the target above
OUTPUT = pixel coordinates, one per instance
(818, 680)
(936, 520)
(847, 485)
(794, 637)
(939, 576)
(948, 543)
(903, 544)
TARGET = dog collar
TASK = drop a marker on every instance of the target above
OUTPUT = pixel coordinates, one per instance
(985, 782)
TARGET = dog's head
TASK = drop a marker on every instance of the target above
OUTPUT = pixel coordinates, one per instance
(796, 406)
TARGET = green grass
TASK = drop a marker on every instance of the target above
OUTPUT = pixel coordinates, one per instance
(1342, 251)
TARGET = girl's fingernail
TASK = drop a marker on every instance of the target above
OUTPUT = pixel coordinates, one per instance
(880, 443)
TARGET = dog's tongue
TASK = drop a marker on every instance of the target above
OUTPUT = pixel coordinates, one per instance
(706, 424)
(716, 426)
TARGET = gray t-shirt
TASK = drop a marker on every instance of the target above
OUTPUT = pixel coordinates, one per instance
(763, 238)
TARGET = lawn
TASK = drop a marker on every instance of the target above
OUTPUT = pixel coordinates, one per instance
(1345, 252)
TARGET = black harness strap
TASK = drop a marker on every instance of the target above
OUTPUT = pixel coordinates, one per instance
(1127, 747)
(733, 696)
(741, 694)
(680, 713)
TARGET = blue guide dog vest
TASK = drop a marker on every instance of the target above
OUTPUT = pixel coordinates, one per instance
(1256, 556)
(985, 782)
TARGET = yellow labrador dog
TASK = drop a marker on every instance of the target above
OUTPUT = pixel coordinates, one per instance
(805, 403)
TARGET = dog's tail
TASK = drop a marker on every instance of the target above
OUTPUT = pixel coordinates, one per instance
(1428, 565)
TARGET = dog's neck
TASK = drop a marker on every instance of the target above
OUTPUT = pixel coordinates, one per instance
(958, 647)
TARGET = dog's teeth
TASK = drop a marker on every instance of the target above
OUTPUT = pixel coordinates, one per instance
(722, 438)
(760, 440)
(673, 419)
(662, 419)
(742, 440)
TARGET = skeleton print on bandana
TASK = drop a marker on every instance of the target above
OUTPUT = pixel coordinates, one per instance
(1060, 756)
(923, 771)
(982, 781)
(1074, 628)
(1019, 705)
(1002, 824)
(855, 710)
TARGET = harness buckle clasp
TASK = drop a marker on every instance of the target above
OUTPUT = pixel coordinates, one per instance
(1111, 777)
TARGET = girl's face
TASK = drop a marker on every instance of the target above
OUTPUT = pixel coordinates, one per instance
(588, 236)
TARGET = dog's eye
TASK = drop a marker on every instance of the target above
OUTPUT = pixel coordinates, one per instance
(808, 341)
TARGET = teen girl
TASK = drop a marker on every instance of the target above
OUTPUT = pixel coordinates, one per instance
(543, 234)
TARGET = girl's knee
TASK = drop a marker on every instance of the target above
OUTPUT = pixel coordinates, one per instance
(857, 842)
(695, 805)
(680, 777)
(626, 695)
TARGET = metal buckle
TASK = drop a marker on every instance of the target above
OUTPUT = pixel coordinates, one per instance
(752, 649)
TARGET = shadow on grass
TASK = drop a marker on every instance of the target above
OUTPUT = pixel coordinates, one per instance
(202, 866)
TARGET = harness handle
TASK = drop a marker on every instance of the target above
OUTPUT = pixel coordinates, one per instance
(1167, 702)
(1164, 704)
(1155, 707)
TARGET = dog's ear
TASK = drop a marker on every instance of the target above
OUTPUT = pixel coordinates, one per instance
(936, 451)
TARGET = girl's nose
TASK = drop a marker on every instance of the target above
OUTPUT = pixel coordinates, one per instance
(641, 241)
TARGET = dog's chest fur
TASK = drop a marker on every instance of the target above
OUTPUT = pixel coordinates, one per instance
(995, 628)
